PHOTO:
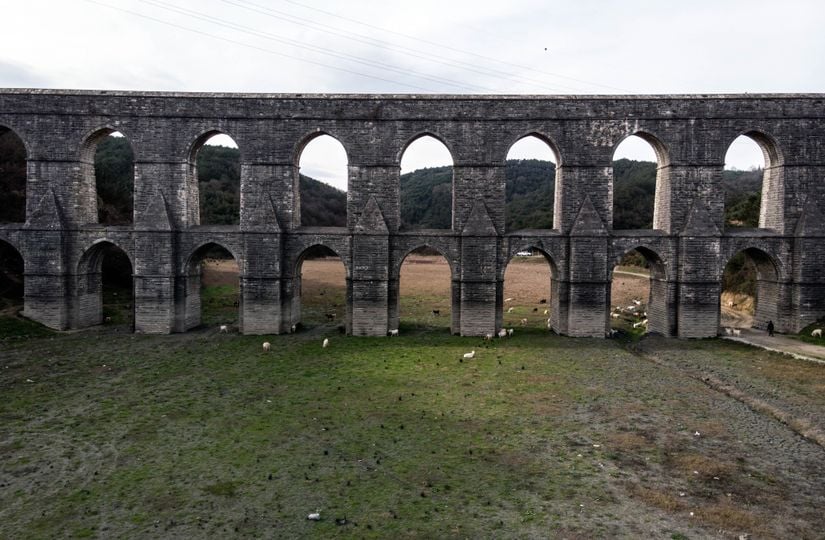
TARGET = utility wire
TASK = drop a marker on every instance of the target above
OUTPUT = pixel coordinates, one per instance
(262, 49)
(314, 48)
(415, 53)
(455, 49)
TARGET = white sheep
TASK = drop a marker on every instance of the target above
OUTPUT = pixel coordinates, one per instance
(546, 311)
(394, 332)
(223, 329)
(470, 355)
(488, 337)
(267, 346)
(502, 333)
(315, 516)
(817, 333)
(326, 343)
(640, 323)
(509, 310)
(736, 332)
(729, 331)
(509, 332)
(508, 299)
(293, 328)
(614, 315)
(524, 322)
(637, 302)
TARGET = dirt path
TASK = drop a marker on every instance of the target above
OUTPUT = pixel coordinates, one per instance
(782, 344)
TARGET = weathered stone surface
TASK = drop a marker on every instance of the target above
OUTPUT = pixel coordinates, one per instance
(688, 247)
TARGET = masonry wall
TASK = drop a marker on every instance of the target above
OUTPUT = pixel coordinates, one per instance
(691, 135)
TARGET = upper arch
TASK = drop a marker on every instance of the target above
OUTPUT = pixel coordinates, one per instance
(546, 139)
(659, 147)
(307, 138)
(7, 126)
(90, 256)
(771, 150)
(419, 135)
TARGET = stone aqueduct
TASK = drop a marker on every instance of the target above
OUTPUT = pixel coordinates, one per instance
(688, 246)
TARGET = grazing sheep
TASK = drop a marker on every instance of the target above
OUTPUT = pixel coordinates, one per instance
(736, 332)
(509, 332)
(267, 346)
(326, 343)
(614, 315)
(817, 333)
(470, 355)
(730, 303)
(223, 329)
(315, 516)
(509, 310)
(729, 331)
(502, 333)
(508, 299)
(488, 337)
(543, 301)
(640, 323)
(546, 311)
(394, 333)
(330, 316)
(535, 310)
(637, 302)
(630, 308)
(524, 322)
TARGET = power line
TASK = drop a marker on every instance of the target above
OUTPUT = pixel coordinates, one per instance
(262, 49)
(449, 47)
(313, 48)
(415, 53)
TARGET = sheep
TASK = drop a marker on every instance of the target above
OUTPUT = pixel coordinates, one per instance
(640, 323)
(509, 310)
(614, 315)
(509, 332)
(524, 322)
(535, 310)
(394, 333)
(488, 337)
(508, 299)
(543, 301)
(729, 331)
(502, 333)
(315, 516)
(223, 329)
(325, 344)
(736, 332)
(730, 303)
(630, 308)
(330, 316)
(546, 311)
(817, 333)
(470, 355)
(293, 328)
(637, 302)
(267, 346)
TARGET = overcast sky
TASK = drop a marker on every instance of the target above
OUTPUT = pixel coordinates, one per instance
(433, 46)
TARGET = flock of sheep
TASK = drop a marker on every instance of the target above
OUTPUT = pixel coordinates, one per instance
(633, 311)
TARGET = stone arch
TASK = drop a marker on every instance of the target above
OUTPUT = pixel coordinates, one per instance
(550, 296)
(657, 308)
(89, 282)
(331, 312)
(191, 284)
(437, 207)
(90, 188)
(194, 209)
(768, 288)
(418, 135)
(663, 188)
(394, 286)
(13, 197)
(299, 210)
(557, 175)
(772, 193)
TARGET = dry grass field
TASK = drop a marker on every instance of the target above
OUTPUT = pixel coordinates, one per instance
(106, 434)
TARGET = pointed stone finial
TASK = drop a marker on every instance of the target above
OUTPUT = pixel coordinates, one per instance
(699, 222)
(47, 213)
(479, 222)
(371, 220)
(588, 222)
(156, 215)
(811, 221)
(263, 217)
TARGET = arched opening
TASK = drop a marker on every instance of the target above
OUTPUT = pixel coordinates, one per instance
(750, 291)
(215, 180)
(12, 177)
(640, 183)
(212, 287)
(530, 174)
(11, 279)
(425, 291)
(639, 294)
(426, 185)
(323, 174)
(530, 292)
(105, 287)
(108, 165)
(753, 181)
(320, 289)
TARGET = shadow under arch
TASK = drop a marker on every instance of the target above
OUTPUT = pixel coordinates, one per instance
(194, 206)
(772, 192)
(763, 282)
(223, 302)
(557, 177)
(656, 308)
(663, 188)
(104, 265)
(14, 171)
(322, 300)
(515, 307)
(12, 276)
(436, 308)
(100, 186)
